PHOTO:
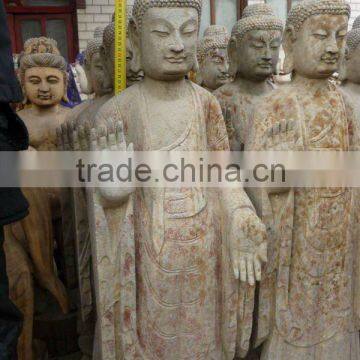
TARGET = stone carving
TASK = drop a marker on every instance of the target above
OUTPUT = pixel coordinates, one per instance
(350, 73)
(167, 282)
(356, 23)
(213, 58)
(306, 302)
(29, 243)
(254, 52)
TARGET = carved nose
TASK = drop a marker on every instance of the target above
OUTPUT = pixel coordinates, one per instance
(177, 45)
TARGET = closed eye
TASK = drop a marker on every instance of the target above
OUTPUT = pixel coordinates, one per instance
(161, 33)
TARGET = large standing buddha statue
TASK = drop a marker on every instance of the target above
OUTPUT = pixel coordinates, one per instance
(307, 303)
(167, 261)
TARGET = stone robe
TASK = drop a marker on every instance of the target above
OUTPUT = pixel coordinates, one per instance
(164, 284)
(237, 106)
(307, 304)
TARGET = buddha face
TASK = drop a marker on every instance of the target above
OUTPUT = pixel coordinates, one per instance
(352, 65)
(215, 69)
(318, 45)
(100, 80)
(44, 86)
(256, 54)
(168, 39)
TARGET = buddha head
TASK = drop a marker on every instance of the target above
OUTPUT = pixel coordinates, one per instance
(356, 23)
(133, 69)
(315, 36)
(213, 58)
(255, 43)
(43, 73)
(350, 69)
(165, 33)
(98, 79)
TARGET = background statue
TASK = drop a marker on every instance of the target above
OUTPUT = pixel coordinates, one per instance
(29, 243)
(350, 70)
(213, 58)
(165, 284)
(306, 304)
(254, 52)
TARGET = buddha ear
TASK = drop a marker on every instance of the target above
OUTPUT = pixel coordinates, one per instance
(195, 67)
(66, 81)
(134, 37)
(232, 53)
(288, 42)
(342, 67)
(199, 78)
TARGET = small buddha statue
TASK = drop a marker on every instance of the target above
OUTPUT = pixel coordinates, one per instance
(254, 52)
(43, 77)
(213, 58)
(307, 303)
(167, 261)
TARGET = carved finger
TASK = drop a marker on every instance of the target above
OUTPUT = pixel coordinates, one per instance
(257, 268)
(262, 252)
(120, 136)
(269, 138)
(242, 267)
(93, 140)
(250, 270)
(102, 139)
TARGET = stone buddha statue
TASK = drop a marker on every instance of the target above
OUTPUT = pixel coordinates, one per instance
(167, 261)
(350, 71)
(306, 301)
(254, 52)
(43, 77)
(213, 58)
(29, 244)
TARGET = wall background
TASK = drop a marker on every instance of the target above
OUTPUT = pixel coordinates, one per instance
(99, 12)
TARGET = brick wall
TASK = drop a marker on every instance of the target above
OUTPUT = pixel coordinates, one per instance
(97, 13)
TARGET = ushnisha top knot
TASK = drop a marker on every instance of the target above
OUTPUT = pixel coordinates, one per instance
(215, 37)
(258, 10)
(40, 45)
(93, 47)
(353, 40)
(256, 17)
(304, 9)
(356, 23)
(141, 6)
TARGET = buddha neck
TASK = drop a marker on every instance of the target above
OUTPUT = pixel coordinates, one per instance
(309, 83)
(45, 110)
(253, 87)
(166, 90)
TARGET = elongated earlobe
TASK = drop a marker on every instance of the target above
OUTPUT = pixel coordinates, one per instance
(289, 39)
(233, 61)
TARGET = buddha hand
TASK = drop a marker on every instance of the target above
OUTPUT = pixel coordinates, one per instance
(248, 246)
(111, 138)
(283, 135)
